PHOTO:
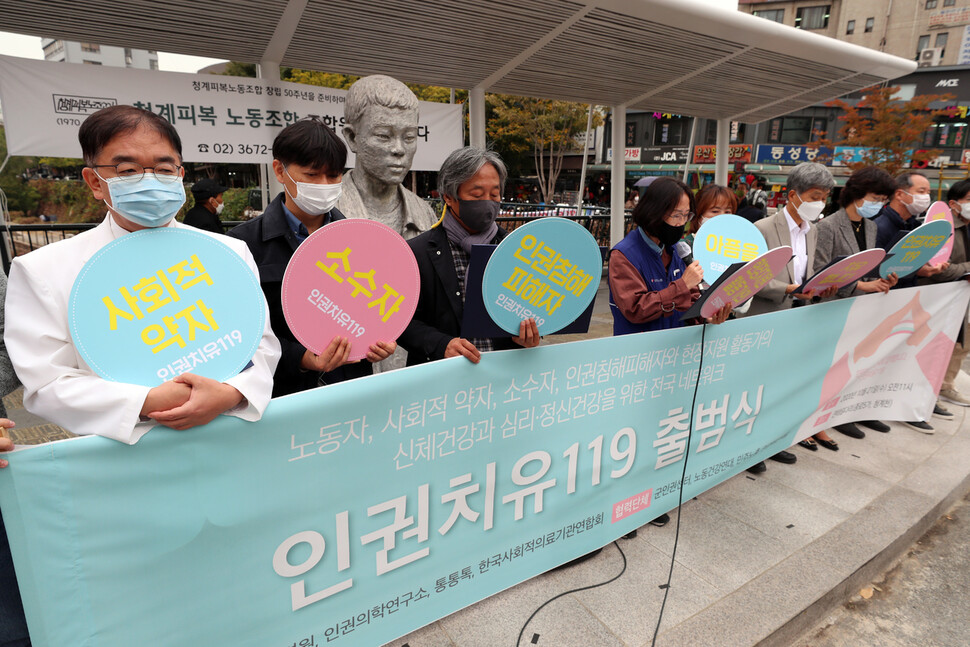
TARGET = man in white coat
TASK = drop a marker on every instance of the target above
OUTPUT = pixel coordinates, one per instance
(133, 163)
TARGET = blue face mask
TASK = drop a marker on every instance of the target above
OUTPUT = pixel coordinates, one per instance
(148, 202)
(869, 209)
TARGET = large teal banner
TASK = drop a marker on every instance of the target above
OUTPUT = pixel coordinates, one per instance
(359, 512)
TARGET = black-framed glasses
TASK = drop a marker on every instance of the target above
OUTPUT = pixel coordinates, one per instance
(132, 171)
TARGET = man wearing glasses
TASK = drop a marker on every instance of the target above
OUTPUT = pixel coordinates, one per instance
(133, 163)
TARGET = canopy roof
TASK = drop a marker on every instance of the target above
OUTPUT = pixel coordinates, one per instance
(676, 56)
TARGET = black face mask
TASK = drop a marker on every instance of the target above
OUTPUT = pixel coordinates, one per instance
(667, 233)
(477, 215)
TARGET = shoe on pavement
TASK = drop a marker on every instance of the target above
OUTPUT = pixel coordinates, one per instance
(941, 412)
(784, 457)
(953, 396)
(921, 427)
(875, 425)
(661, 521)
(758, 468)
(850, 430)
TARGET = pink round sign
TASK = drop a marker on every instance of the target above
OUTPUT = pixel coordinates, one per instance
(747, 281)
(849, 269)
(941, 211)
(353, 278)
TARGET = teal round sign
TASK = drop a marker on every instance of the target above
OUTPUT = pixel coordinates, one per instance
(547, 270)
(724, 240)
(916, 249)
(161, 302)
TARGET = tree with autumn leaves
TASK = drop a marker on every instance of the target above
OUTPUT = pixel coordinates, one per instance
(545, 128)
(889, 129)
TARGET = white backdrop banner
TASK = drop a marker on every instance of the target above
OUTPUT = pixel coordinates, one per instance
(219, 118)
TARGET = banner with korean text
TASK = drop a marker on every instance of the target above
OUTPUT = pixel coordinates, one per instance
(219, 118)
(358, 512)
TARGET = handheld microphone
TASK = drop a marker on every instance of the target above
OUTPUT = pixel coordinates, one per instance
(684, 251)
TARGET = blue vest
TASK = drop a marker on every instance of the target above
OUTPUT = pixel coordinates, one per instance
(650, 266)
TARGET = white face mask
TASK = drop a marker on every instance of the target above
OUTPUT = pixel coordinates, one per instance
(219, 208)
(810, 210)
(315, 199)
(965, 211)
(921, 201)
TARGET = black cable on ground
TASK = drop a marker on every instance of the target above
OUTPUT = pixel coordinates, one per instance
(680, 502)
(683, 477)
(582, 588)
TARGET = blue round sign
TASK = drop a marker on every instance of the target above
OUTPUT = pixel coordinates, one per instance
(724, 240)
(916, 249)
(161, 302)
(547, 270)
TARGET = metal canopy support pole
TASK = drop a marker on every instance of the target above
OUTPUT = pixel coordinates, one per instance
(268, 184)
(618, 176)
(721, 160)
(582, 175)
(269, 69)
(476, 117)
(690, 148)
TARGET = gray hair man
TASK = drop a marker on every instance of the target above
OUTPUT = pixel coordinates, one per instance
(471, 182)
(809, 185)
(381, 116)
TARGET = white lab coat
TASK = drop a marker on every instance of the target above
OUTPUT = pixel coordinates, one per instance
(58, 385)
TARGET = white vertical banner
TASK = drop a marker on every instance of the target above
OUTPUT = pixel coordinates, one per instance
(964, 55)
(219, 118)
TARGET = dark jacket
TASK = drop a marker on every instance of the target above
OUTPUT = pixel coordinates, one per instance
(272, 244)
(201, 218)
(890, 227)
(437, 319)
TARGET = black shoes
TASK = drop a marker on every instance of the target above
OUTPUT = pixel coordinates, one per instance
(941, 411)
(809, 443)
(758, 468)
(828, 444)
(875, 425)
(850, 430)
(784, 457)
(661, 521)
(921, 427)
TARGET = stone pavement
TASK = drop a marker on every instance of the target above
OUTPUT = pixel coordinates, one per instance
(761, 559)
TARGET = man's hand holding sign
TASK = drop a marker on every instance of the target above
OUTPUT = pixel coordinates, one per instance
(109, 319)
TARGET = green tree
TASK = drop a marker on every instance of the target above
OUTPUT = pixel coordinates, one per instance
(545, 128)
(19, 194)
(891, 130)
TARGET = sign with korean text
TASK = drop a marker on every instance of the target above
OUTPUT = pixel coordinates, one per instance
(736, 153)
(849, 269)
(916, 249)
(788, 155)
(161, 302)
(743, 284)
(845, 155)
(354, 278)
(950, 16)
(724, 240)
(219, 118)
(664, 154)
(386, 503)
(941, 211)
(629, 155)
(547, 270)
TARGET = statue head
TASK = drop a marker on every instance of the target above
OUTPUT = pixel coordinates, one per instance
(381, 116)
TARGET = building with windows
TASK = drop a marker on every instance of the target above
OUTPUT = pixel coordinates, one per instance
(933, 32)
(93, 54)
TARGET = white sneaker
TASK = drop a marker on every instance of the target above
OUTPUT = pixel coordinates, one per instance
(954, 397)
